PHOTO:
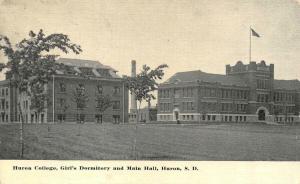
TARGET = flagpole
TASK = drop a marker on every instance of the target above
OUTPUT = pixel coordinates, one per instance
(250, 44)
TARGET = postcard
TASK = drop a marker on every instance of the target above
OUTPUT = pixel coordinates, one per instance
(155, 91)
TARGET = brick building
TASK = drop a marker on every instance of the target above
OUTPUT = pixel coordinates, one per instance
(99, 79)
(247, 93)
(5, 102)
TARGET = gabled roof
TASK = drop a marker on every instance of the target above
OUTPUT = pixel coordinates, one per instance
(199, 76)
(287, 84)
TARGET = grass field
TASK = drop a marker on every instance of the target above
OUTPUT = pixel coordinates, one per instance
(153, 142)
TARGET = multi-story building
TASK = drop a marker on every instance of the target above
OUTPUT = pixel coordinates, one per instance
(247, 93)
(5, 102)
(96, 79)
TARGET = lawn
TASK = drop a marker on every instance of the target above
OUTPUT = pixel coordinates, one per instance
(153, 142)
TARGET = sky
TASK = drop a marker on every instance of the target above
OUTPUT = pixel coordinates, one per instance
(187, 35)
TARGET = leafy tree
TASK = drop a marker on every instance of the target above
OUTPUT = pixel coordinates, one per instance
(145, 83)
(38, 99)
(80, 98)
(103, 102)
(31, 63)
(142, 87)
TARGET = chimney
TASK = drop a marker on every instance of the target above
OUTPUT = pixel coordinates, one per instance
(133, 104)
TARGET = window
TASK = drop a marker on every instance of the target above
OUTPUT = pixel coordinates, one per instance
(262, 84)
(62, 87)
(6, 104)
(208, 117)
(116, 105)
(117, 90)
(214, 117)
(62, 117)
(177, 93)
(116, 119)
(99, 89)
(98, 118)
(87, 71)
(32, 118)
(104, 72)
(42, 118)
(213, 92)
(6, 91)
(80, 118)
(62, 102)
(164, 93)
(187, 92)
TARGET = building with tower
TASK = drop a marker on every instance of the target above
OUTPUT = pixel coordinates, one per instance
(246, 93)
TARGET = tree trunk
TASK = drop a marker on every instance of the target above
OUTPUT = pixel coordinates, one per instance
(135, 131)
(21, 132)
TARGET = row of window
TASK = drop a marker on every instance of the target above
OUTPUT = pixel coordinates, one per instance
(262, 84)
(225, 107)
(279, 97)
(187, 92)
(234, 118)
(224, 93)
(33, 118)
(165, 107)
(4, 91)
(206, 92)
(62, 104)
(206, 106)
(262, 98)
(164, 93)
(280, 109)
(4, 104)
(99, 88)
(81, 118)
(89, 71)
(188, 106)
(284, 119)
(166, 117)
(4, 117)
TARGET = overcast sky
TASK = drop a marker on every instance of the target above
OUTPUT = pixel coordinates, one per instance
(186, 35)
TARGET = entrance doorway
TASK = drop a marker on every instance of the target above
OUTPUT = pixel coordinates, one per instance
(176, 114)
(261, 115)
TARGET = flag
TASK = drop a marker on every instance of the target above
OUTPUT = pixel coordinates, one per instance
(254, 33)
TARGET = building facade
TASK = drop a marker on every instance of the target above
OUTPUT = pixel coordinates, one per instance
(97, 79)
(247, 93)
(5, 102)
(146, 115)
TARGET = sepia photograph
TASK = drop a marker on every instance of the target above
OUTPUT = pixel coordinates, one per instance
(192, 80)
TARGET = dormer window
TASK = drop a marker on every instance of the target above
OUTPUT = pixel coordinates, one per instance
(104, 72)
(87, 71)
